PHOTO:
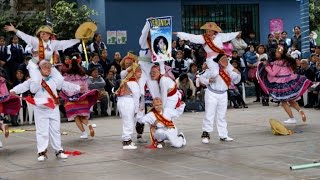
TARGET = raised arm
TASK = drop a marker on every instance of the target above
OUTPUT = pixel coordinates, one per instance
(144, 35)
(225, 37)
(198, 39)
(64, 44)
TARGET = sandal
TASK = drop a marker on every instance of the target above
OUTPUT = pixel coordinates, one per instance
(303, 116)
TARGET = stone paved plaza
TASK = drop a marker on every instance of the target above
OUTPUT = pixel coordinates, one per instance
(255, 153)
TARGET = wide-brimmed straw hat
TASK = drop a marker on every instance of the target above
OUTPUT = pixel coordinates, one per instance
(45, 28)
(86, 30)
(211, 26)
(278, 128)
(129, 56)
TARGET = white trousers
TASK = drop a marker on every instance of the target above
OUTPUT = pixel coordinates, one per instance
(215, 108)
(153, 85)
(169, 134)
(47, 128)
(126, 110)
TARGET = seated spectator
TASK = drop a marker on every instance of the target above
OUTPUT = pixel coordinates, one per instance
(241, 63)
(294, 52)
(187, 86)
(95, 81)
(179, 65)
(305, 70)
(315, 88)
(3, 52)
(193, 71)
(111, 87)
(95, 64)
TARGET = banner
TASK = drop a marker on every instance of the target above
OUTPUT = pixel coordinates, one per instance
(121, 37)
(276, 25)
(111, 37)
(161, 38)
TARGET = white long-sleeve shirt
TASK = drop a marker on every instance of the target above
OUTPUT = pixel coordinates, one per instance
(21, 88)
(165, 84)
(135, 93)
(218, 41)
(218, 84)
(50, 46)
(151, 119)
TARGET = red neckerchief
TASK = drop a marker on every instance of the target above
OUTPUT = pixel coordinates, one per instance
(225, 76)
(211, 45)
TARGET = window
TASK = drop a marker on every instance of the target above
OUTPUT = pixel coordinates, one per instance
(230, 17)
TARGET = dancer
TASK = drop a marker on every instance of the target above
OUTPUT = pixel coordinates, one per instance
(161, 125)
(216, 97)
(8, 104)
(170, 95)
(279, 81)
(212, 41)
(126, 64)
(46, 110)
(129, 104)
(78, 104)
(47, 48)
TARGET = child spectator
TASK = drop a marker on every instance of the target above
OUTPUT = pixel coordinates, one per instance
(179, 65)
(187, 86)
(95, 64)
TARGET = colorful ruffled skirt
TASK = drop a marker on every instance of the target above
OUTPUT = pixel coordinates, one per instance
(291, 87)
(10, 104)
(79, 104)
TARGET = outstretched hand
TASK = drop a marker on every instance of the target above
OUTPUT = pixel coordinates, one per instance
(9, 28)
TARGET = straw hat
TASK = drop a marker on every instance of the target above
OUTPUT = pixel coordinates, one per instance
(131, 56)
(278, 128)
(211, 26)
(86, 30)
(45, 28)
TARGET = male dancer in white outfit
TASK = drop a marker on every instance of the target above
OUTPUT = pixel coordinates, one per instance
(161, 122)
(45, 46)
(170, 95)
(216, 97)
(46, 110)
(212, 40)
(128, 104)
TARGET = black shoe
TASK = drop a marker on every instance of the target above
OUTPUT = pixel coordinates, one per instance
(236, 106)
(244, 106)
(14, 120)
(308, 106)
(257, 100)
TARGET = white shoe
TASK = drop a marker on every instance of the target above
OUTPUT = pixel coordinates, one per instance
(159, 146)
(291, 121)
(130, 146)
(228, 139)
(0, 144)
(184, 139)
(41, 158)
(62, 156)
(141, 140)
(205, 140)
(84, 135)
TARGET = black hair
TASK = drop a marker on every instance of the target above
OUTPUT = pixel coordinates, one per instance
(183, 76)
(156, 42)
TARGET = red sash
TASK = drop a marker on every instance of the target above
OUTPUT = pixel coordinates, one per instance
(41, 50)
(42, 54)
(226, 78)
(211, 45)
(173, 91)
(48, 89)
(167, 123)
(124, 89)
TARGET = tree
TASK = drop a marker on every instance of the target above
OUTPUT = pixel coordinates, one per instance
(314, 6)
(66, 18)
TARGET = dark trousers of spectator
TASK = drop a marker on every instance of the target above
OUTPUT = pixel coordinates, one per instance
(257, 89)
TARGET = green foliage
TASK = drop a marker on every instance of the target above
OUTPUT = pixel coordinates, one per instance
(314, 6)
(66, 18)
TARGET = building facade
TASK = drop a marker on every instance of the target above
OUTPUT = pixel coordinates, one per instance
(259, 16)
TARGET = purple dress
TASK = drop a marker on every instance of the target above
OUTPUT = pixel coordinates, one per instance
(78, 104)
(279, 81)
